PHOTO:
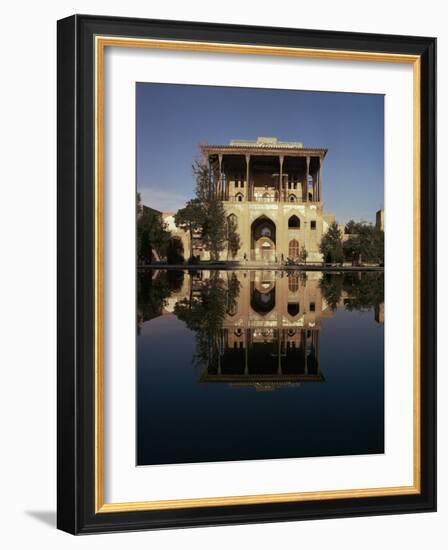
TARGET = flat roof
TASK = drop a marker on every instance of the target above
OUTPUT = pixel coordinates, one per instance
(263, 145)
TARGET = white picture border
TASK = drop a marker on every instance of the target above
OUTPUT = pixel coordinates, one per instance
(124, 482)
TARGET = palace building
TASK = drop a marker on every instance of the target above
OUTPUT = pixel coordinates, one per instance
(273, 192)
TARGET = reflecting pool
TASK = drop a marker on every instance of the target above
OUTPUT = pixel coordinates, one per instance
(239, 365)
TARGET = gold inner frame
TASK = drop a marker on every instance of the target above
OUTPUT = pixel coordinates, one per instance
(101, 42)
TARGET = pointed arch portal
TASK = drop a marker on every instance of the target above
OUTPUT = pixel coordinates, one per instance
(263, 240)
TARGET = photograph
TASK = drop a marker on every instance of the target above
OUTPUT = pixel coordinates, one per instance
(260, 223)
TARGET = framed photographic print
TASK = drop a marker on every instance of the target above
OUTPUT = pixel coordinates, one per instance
(246, 271)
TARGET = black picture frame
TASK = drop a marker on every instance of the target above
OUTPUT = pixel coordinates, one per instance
(76, 255)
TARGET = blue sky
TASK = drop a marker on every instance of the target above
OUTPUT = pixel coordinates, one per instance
(172, 120)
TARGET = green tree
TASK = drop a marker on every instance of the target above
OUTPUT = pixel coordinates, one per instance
(331, 245)
(191, 218)
(365, 244)
(139, 203)
(350, 227)
(233, 238)
(214, 226)
(205, 216)
(175, 251)
(152, 234)
(303, 255)
(214, 236)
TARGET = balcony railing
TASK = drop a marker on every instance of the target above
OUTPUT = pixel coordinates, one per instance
(265, 199)
(298, 200)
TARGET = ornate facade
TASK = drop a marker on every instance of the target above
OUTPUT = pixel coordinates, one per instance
(273, 192)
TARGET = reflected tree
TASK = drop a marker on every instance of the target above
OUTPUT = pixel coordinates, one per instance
(331, 288)
(360, 291)
(204, 313)
(363, 290)
(153, 290)
(175, 251)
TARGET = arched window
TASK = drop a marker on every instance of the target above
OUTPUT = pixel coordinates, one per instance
(294, 222)
(239, 197)
(262, 227)
(293, 249)
(293, 282)
(262, 302)
(293, 309)
(292, 198)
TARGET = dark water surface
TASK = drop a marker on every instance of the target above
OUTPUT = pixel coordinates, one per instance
(258, 365)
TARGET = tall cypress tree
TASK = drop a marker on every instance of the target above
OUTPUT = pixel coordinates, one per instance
(331, 245)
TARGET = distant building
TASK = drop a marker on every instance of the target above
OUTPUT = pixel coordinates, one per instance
(176, 232)
(141, 210)
(345, 236)
(380, 219)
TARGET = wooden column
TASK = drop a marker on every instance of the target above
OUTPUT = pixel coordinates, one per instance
(307, 176)
(219, 186)
(318, 351)
(319, 187)
(248, 190)
(210, 176)
(246, 351)
(280, 187)
(279, 352)
(303, 344)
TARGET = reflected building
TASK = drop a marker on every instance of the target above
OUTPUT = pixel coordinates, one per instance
(379, 313)
(270, 333)
(257, 328)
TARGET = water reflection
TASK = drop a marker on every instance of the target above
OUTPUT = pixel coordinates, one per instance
(236, 365)
(257, 328)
